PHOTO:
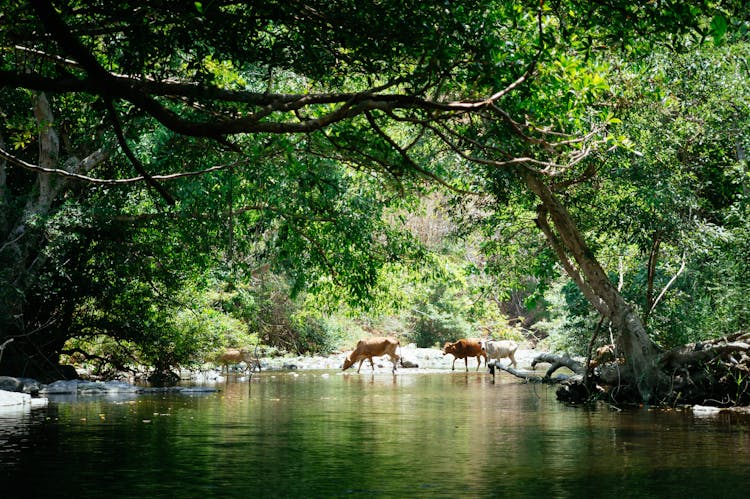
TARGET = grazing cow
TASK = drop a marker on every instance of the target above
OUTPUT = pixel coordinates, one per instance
(463, 349)
(372, 347)
(498, 350)
(235, 356)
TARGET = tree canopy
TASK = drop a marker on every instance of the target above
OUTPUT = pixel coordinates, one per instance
(290, 130)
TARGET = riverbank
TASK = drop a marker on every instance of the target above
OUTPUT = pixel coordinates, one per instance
(28, 393)
(426, 359)
(25, 394)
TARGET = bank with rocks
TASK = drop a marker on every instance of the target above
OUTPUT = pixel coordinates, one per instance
(422, 360)
(27, 393)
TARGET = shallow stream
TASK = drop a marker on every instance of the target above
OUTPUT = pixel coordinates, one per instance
(328, 434)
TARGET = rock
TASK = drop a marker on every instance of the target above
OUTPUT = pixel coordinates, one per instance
(8, 398)
(61, 386)
(706, 410)
(24, 385)
(39, 402)
(22, 400)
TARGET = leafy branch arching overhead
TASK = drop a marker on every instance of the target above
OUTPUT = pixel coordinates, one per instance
(480, 97)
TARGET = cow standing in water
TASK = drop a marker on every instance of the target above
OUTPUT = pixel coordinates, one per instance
(499, 350)
(233, 356)
(373, 347)
(463, 349)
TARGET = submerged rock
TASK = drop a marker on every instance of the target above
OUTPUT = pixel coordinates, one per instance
(88, 387)
(111, 388)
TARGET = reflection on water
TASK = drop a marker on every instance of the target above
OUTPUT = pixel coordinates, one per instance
(364, 435)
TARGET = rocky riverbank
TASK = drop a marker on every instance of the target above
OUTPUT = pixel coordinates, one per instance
(28, 393)
(24, 394)
(425, 359)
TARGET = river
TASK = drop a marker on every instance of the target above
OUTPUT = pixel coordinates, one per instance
(328, 434)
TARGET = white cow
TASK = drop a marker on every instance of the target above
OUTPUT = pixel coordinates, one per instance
(500, 349)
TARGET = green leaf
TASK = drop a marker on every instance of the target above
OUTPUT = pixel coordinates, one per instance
(718, 28)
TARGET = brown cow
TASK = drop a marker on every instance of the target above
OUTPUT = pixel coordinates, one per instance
(235, 356)
(463, 349)
(372, 347)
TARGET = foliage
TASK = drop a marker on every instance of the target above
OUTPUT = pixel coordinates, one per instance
(281, 160)
(675, 195)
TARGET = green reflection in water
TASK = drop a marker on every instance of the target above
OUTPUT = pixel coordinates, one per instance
(349, 435)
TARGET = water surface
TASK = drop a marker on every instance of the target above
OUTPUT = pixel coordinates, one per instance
(327, 434)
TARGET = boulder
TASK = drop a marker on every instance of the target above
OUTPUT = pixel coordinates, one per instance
(22, 385)
(17, 399)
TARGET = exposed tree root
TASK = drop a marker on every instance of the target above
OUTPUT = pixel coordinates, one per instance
(714, 372)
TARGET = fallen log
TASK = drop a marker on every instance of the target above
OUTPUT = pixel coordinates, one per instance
(519, 373)
(558, 361)
(712, 372)
(532, 376)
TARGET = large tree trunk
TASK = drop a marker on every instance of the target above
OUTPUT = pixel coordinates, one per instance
(582, 266)
(37, 332)
(24, 258)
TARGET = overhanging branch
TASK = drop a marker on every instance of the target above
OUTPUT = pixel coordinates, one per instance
(101, 181)
(143, 91)
(129, 153)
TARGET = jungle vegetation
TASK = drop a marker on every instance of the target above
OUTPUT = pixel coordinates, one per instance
(180, 176)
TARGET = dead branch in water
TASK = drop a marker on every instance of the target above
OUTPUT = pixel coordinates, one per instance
(556, 361)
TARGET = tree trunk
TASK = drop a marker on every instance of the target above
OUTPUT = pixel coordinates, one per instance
(653, 257)
(38, 332)
(582, 266)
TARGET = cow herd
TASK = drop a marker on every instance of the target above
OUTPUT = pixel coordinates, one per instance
(368, 348)
(461, 349)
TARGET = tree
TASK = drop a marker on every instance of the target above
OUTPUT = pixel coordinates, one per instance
(478, 97)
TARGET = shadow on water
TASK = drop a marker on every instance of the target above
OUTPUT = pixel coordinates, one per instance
(333, 434)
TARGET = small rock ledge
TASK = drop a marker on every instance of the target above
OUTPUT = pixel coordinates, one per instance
(21, 401)
(22, 393)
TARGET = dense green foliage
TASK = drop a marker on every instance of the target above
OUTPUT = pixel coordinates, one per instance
(679, 195)
(284, 150)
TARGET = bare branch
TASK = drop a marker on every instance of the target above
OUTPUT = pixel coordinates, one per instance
(547, 167)
(412, 164)
(669, 285)
(93, 158)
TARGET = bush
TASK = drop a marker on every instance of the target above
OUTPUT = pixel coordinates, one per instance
(434, 328)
